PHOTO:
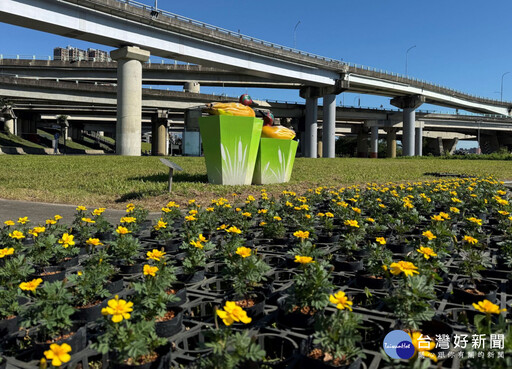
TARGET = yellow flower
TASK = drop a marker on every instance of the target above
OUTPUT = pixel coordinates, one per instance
(119, 309)
(262, 224)
(475, 220)
(197, 244)
(201, 238)
(250, 198)
(501, 192)
(166, 210)
(31, 285)
(454, 210)
(58, 354)
(341, 301)
(223, 226)
(303, 259)
(81, 208)
(16, 234)
(98, 211)
(160, 224)
(406, 267)
(427, 252)
(35, 232)
(128, 220)
(351, 223)
(190, 218)
(155, 254)
(408, 205)
(122, 230)
(233, 313)
(6, 251)
(329, 215)
(93, 242)
(88, 220)
(422, 345)
(51, 221)
(303, 235)
(57, 217)
(210, 209)
(357, 210)
(381, 240)
(233, 229)
(238, 210)
(193, 212)
(262, 211)
(429, 235)
(470, 240)
(247, 214)
(503, 212)
(382, 206)
(437, 218)
(9, 223)
(278, 218)
(67, 240)
(243, 251)
(370, 220)
(488, 307)
(190, 202)
(23, 220)
(150, 270)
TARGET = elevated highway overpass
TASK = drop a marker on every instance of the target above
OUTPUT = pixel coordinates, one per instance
(120, 23)
(93, 107)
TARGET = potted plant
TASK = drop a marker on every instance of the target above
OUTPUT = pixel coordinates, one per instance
(195, 259)
(373, 275)
(337, 338)
(230, 349)
(125, 249)
(130, 343)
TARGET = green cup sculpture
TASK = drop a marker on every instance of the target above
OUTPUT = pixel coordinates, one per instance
(275, 160)
(230, 145)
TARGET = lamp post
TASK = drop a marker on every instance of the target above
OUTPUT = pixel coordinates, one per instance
(501, 91)
(295, 35)
(406, 57)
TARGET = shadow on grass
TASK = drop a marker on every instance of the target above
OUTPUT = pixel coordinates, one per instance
(177, 177)
(139, 195)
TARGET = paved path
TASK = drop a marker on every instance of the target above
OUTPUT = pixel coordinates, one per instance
(38, 212)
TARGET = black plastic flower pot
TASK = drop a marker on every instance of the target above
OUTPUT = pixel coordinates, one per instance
(89, 313)
(50, 273)
(294, 319)
(373, 334)
(8, 327)
(328, 238)
(170, 327)
(163, 361)
(190, 279)
(399, 248)
(67, 263)
(348, 265)
(258, 300)
(467, 294)
(115, 285)
(372, 282)
(202, 311)
(179, 290)
(76, 339)
(280, 352)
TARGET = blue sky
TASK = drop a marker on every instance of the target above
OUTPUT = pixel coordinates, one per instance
(463, 45)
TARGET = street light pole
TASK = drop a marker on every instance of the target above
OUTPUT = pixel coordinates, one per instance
(501, 91)
(295, 35)
(406, 57)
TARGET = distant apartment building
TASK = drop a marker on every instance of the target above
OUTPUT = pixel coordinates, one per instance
(76, 54)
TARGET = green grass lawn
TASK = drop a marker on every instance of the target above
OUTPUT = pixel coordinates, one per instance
(15, 141)
(114, 180)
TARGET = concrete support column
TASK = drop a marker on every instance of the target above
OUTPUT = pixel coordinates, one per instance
(362, 143)
(75, 132)
(449, 145)
(129, 99)
(329, 126)
(391, 142)
(100, 133)
(408, 139)
(311, 127)
(409, 104)
(192, 86)
(374, 142)
(159, 133)
(419, 140)
(320, 146)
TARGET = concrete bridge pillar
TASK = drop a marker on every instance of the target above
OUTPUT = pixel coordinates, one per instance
(129, 99)
(391, 142)
(374, 142)
(419, 140)
(362, 142)
(329, 126)
(320, 146)
(75, 132)
(159, 133)
(311, 127)
(192, 86)
(489, 143)
(409, 104)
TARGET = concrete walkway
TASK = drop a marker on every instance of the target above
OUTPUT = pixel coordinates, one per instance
(38, 212)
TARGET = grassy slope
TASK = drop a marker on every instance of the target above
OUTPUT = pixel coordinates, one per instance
(15, 141)
(69, 143)
(114, 180)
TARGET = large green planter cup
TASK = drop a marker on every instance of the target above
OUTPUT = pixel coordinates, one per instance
(275, 161)
(230, 145)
